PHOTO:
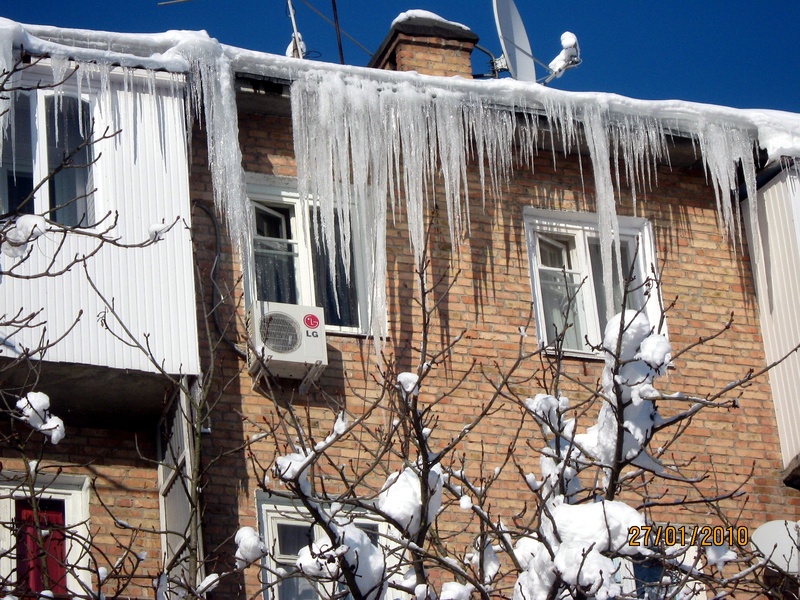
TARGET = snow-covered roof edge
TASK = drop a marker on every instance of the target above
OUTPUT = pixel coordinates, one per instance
(777, 132)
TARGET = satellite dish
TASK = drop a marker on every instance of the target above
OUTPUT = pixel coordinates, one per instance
(514, 41)
(780, 541)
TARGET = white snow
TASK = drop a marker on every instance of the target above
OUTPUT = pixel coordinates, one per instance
(293, 467)
(249, 547)
(604, 525)
(25, 229)
(487, 560)
(424, 14)
(452, 590)
(209, 583)
(35, 407)
(580, 565)
(401, 498)
(340, 426)
(321, 560)
(156, 231)
(539, 574)
(632, 363)
(409, 384)
(719, 555)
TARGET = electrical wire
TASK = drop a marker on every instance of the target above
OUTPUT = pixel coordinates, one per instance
(216, 296)
(344, 33)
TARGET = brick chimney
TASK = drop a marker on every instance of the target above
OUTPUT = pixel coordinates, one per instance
(428, 45)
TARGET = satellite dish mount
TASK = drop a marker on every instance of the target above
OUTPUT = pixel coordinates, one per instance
(518, 58)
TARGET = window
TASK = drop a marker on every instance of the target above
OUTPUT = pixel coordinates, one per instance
(45, 129)
(567, 274)
(289, 266)
(41, 554)
(285, 532)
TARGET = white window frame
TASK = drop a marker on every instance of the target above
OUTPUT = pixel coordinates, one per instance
(300, 223)
(73, 490)
(582, 227)
(272, 512)
(40, 168)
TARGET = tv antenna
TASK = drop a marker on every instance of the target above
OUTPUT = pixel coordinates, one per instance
(297, 47)
(518, 58)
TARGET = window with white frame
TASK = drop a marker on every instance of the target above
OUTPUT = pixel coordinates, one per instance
(49, 136)
(287, 529)
(291, 267)
(567, 275)
(54, 523)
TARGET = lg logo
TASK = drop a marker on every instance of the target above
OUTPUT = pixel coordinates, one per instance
(312, 322)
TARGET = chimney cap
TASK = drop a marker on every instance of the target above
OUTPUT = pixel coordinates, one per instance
(421, 23)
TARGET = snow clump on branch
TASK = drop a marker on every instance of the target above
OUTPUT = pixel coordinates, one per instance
(632, 363)
(362, 557)
(249, 547)
(26, 228)
(35, 407)
(401, 498)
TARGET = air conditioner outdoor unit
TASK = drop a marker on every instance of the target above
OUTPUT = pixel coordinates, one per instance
(288, 341)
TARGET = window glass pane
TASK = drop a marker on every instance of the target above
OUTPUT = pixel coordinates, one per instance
(340, 301)
(295, 588)
(634, 296)
(274, 222)
(292, 538)
(17, 166)
(69, 187)
(556, 291)
(275, 255)
(276, 279)
(553, 253)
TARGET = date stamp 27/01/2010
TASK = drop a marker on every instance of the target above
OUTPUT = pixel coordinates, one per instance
(682, 535)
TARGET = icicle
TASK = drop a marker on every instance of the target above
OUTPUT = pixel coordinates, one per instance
(211, 87)
(596, 132)
(60, 67)
(7, 38)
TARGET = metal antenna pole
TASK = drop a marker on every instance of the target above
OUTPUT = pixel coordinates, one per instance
(338, 32)
(296, 34)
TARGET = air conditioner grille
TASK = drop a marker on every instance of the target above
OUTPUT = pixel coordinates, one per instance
(280, 332)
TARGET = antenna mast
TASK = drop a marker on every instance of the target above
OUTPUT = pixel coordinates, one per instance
(296, 51)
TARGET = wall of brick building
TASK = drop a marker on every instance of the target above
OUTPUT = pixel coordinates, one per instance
(709, 277)
(123, 497)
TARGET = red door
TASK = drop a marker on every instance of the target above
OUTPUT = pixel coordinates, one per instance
(41, 552)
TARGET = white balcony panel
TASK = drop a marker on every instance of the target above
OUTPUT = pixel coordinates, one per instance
(778, 287)
(141, 178)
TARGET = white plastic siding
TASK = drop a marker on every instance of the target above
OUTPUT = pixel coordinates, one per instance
(778, 288)
(141, 175)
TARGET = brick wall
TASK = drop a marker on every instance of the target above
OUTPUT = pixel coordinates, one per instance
(123, 498)
(489, 301)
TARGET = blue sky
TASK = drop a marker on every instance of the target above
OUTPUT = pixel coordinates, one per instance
(735, 53)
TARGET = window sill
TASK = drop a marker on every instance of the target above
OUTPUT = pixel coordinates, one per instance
(349, 333)
(577, 355)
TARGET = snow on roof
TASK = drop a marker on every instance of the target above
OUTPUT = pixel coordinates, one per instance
(776, 131)
(425, 14)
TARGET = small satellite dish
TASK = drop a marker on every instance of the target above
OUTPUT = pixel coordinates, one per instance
(780, 541)
(514, 40)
